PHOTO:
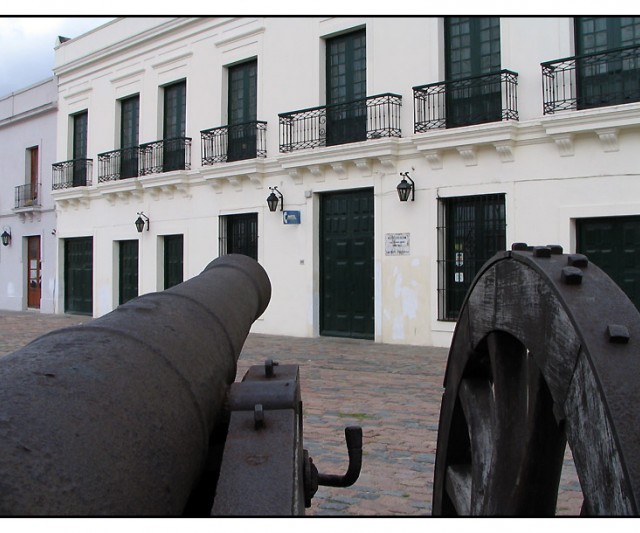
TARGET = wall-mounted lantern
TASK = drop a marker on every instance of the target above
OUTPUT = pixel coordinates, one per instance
(273, 200)
(6, 236)
(405, 188)
(140, 222)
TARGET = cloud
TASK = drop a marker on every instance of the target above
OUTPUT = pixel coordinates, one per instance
(26, 47)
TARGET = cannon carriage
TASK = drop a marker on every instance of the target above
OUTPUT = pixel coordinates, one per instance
(136, 412)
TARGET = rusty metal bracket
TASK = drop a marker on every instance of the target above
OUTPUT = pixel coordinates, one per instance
(261, 470)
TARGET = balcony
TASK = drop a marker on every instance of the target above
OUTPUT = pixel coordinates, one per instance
(371, 118)
(165, 155)
(465, 102)
(26, 196)
(73, 173)
(234, 142)
(592, 80)
(150, 158)
(118, 164)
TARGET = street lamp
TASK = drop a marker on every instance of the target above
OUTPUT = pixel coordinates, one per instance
(6, 236)
(140, 222)
(273, 200)
(405, 188)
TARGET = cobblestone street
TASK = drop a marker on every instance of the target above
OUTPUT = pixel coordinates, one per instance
(393, 392)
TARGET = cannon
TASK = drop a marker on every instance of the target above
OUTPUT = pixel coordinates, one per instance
(545, 353)
(137, 413)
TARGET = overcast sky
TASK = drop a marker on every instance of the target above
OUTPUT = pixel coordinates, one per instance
(26, 47)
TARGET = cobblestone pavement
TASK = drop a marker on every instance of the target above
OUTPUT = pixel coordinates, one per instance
(393, 392)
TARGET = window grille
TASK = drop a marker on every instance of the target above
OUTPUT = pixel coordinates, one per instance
(239, 235)
(471, 230)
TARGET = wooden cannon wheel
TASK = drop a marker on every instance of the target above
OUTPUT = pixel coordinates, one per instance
(546, 352)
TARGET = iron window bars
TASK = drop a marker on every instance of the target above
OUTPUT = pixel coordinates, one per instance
(471, 229)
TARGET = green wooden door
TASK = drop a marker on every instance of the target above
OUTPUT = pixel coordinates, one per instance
(173, 260)
(78, 275)
(613, 243)
(128, 270)
(347, 267)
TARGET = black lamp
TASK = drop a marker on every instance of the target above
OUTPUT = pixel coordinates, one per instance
(140, 222)
(405, 188)
(6, 237)
(273, 200)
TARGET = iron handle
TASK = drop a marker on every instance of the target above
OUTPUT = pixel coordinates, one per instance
(353, 436)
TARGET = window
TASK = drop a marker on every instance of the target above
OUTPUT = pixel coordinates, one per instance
(242, 110)
(129, 127)
(346, 64)
(31, 190)
(79, 148)
(471, 230)
(174, 126)
(239, 235)
(472, 48)
(608, 64)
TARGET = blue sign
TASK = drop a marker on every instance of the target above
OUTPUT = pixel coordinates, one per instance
(291, 217)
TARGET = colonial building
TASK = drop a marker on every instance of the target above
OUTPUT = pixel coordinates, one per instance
(290, 140)
(27, 215)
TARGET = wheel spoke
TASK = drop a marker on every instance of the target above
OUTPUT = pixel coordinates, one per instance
(477, 404)
(458, 487)
(509, 370)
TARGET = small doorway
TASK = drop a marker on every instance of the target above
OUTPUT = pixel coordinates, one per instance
(34, 278)
(128, 270)
(173, 260)
(78, 275)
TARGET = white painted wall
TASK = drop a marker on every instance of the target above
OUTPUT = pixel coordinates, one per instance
(552, 169)
(27, 119)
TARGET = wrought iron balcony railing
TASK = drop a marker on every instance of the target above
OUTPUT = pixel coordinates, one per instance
(369, 118)
(118, 164)
(26, 196)
(591, 80)
(234, 142)
(474, 100)
(165, 155)
(73, 173)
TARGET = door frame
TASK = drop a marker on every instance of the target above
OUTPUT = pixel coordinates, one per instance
(319, 247)
(37, 294)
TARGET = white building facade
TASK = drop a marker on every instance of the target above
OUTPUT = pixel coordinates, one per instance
(512, 129)
(27, 211)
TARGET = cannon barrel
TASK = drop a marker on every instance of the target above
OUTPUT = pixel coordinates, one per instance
(114, 417)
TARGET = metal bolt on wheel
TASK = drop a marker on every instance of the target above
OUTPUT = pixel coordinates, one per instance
(544, 353)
